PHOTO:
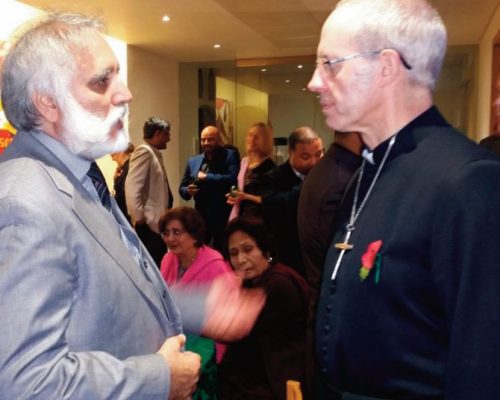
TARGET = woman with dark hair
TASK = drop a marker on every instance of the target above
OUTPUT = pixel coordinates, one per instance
(258, 366)
(122, 160)
(190, 263)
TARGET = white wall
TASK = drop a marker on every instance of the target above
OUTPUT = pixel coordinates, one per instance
(287, 112)
(251, 105)
(154, 83)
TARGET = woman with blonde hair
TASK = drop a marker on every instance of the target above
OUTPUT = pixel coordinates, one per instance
(259, 148)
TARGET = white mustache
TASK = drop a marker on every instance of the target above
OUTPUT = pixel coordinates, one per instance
(116, 114)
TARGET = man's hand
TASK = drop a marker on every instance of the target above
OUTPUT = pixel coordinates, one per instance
(202, 175)
(231, 310)
(184, 368)
(192, 189)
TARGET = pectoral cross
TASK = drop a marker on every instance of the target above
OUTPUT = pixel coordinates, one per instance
(343, 247)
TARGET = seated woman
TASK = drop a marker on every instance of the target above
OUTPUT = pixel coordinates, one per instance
(258, 366)
(189, 262)
(259, 147)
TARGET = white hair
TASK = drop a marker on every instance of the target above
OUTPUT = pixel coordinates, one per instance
(411, 27)
(42, 60)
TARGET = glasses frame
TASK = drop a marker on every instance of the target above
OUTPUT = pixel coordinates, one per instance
(323, 61)
(176, 233)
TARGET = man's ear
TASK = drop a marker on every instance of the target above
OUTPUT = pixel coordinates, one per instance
(47, 107)
(391, 65)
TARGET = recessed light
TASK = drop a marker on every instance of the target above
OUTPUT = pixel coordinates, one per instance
(288, 81)
(217, 46)
(304, 89)
(165, 18)
(263, 70)
(299, 66)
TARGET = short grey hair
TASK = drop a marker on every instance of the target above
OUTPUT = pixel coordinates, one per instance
(42, 60)
(411, 27)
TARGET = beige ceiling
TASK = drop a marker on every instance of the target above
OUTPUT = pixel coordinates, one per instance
(245, 28)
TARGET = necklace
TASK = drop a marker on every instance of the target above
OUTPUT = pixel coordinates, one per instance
(355, 212)
(183, 267)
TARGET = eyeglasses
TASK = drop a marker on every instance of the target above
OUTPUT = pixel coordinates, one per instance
(333, 67)
(174, 232)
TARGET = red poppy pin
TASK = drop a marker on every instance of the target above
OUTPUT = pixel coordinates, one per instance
(369, 259)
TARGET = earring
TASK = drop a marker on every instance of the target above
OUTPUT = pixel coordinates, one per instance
(269, 260)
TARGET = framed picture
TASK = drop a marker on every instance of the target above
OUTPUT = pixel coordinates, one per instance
(224, 119)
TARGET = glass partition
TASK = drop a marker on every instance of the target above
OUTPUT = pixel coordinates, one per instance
(234, 95)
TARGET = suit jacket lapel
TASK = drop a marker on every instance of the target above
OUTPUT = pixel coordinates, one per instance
(197, 164)
(108, 236)
(90, 212)
(290, 177)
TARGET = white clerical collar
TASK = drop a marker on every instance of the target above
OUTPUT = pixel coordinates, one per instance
(368, 156)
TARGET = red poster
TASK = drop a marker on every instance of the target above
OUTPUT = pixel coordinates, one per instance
(7, 131)
(5, 139)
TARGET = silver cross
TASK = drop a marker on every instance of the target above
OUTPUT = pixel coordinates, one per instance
(343, 247)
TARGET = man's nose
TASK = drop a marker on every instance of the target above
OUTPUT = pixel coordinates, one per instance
(316, 82)
(122, 94)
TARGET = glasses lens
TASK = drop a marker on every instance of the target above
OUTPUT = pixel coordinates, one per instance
(173, 232)
(328, 67)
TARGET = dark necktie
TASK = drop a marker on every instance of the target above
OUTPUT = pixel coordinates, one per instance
(97, 179)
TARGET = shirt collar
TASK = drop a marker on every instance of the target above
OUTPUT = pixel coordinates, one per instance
(405, 141)
(78, 166)
(299, 175)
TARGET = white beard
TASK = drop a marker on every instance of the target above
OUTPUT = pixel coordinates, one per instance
(87, 135)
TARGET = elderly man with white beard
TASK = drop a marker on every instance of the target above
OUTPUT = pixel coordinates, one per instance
(84, 313)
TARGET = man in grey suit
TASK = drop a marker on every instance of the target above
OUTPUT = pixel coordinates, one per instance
(84, 314)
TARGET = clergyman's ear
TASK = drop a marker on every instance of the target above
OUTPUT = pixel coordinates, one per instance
(391, 65)
(47, 107)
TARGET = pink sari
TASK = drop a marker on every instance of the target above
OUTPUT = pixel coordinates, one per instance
(235, 211)
(206, 267)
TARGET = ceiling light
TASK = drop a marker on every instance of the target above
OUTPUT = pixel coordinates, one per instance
(288, 81)
(299, 66)
(217, 46)
(304, 89)
(263, 70)
(165, 18)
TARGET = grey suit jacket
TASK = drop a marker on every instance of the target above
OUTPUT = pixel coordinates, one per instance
(79, 317)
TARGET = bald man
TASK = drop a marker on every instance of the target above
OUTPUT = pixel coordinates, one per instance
(207, 179)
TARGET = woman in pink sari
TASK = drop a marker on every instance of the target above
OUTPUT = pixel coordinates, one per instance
(190, 263)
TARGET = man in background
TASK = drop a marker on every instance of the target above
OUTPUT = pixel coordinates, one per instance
(409, 297)
(320, 200)
(280, 194)
(147, 191)
(207, 179)
(319, 203)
